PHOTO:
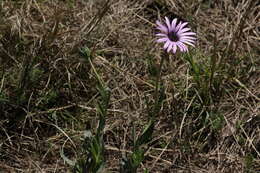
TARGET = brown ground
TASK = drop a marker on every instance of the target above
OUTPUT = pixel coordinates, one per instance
(48, 91)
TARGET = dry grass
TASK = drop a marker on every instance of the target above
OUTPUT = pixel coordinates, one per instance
(48, 93)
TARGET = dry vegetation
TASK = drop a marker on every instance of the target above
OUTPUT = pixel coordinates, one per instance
(48, 91)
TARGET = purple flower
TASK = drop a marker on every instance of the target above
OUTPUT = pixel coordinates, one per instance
(175, 35)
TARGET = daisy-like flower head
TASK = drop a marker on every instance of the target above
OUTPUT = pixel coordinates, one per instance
(175, 35)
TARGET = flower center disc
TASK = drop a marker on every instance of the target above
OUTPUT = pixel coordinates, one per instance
(173, 36)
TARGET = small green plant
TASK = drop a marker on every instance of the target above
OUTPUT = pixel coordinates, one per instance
(134, 160)
(249, 160)
(202, 74)
(94, 157)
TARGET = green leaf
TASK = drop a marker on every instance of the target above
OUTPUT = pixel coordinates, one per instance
(146, 135)
(146, 170)
(137, 157)
(85, 52)
(66, 159)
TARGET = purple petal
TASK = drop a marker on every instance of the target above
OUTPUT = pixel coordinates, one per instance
(162, 40)
(178, 27)
(189, 43)
(185, 48)
(183, 30)
(161, 27)
(187, 39)
(180, 46)
(164, 30)
(169, 47)
(188, 33)
(168, 23)
(182, 25)
(166, 45)
(174, 24)
(174, 49)
(161, 35)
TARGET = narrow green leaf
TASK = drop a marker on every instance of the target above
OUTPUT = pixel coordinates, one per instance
(146, 135)
(66, 159)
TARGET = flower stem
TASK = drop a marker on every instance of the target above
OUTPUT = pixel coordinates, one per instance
(157, 84)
